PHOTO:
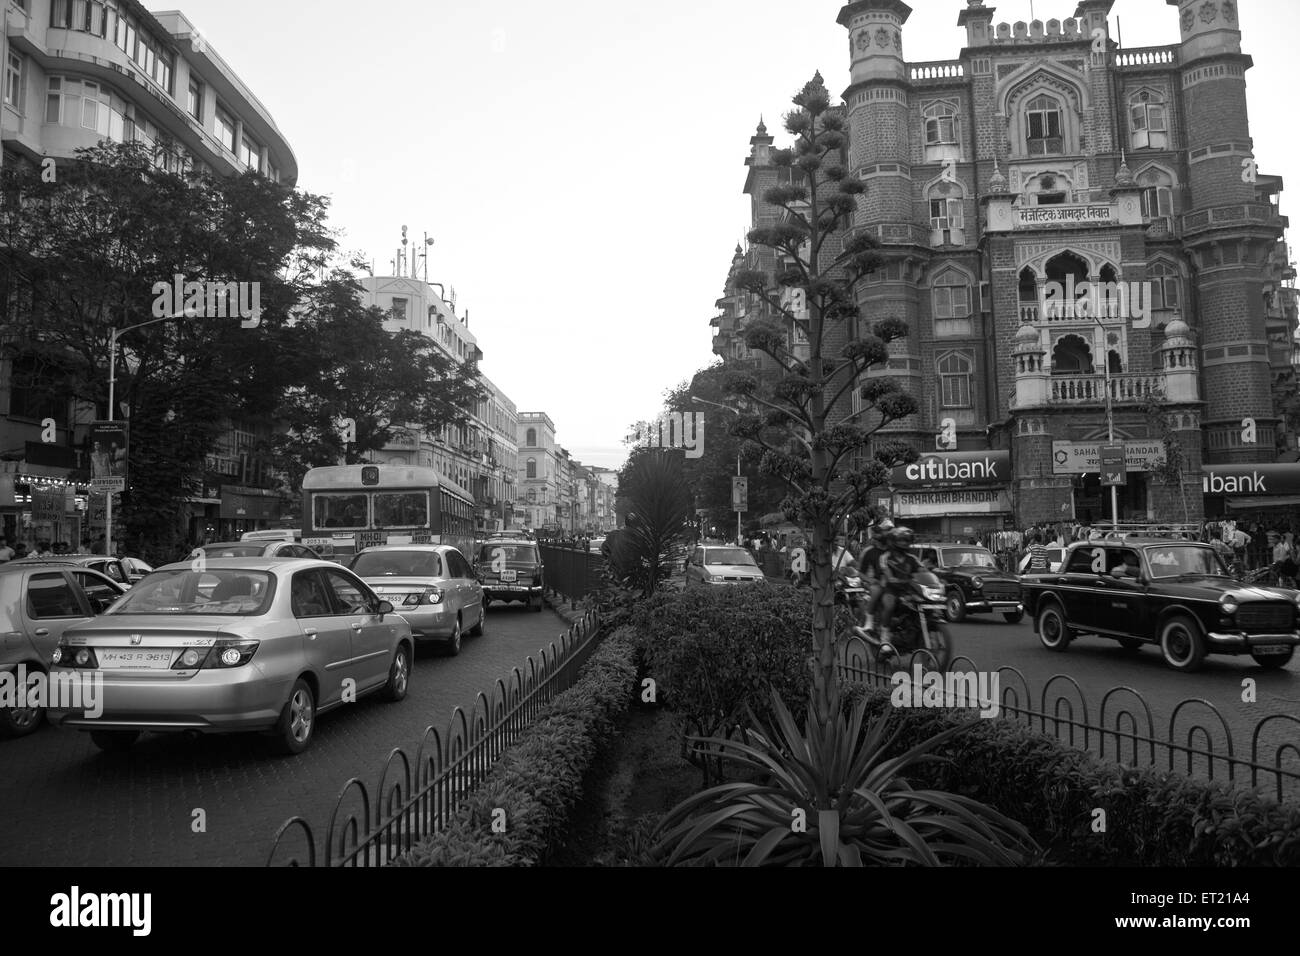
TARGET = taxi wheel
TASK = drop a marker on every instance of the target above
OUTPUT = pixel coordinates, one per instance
(477, 629)
(21, 721)
(399, 675)
(114, 741)
(453, 642)
(1181, 644)
(955, 607)
(1053, 632)
(297, 725)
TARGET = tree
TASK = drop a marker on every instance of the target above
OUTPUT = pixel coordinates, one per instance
(709, 476)
(654, 485)
(1168, 470)
(798, 421)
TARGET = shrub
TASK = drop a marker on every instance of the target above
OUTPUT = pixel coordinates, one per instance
(537, 781)
(715, 652)
(1153, 817)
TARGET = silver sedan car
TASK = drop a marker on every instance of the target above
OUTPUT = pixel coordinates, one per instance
(432, 586)
(241, 644)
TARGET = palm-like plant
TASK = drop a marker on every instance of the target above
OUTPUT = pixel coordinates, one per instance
(829, 795)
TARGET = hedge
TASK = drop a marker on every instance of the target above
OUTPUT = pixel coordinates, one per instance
(539, 779)
(1152, 817)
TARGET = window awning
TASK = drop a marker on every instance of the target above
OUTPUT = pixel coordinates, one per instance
(1263, 501)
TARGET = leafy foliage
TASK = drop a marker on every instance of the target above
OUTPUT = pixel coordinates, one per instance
(1168, 820)
(833, 795)
(643, 552)
(718, 654)
(539, 779)
(1169, 469)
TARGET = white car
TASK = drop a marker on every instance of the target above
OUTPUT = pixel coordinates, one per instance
(722, 564)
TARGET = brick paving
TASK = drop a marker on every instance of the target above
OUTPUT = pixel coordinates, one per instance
(64, 803)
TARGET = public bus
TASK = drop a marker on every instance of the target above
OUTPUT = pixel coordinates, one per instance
(349, 507)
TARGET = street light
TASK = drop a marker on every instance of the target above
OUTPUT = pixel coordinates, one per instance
(1110, 418)
(112, 410)
(705, 401)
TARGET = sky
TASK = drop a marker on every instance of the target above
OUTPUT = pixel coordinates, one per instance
(579, 164)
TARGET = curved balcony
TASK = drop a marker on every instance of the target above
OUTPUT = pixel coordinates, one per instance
(1125, 388)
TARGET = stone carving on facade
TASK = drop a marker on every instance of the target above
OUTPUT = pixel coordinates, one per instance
(1229, 11)
(864, 40)
(898, 42)
(1209, 12)
(882, 38)
(1189, 20)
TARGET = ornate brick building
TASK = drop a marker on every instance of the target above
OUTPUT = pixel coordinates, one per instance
(1041, 158)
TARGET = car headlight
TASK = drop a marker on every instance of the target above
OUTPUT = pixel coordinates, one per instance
(933, 594)
(977, 582)
(1228, 604)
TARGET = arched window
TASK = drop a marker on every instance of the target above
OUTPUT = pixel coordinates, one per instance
(1147, 126)
(1072, 356)
(955, 369)
(530, 439)
(1043, 126)
(942, 124)
(950, 301)
(1157, 193)
(532, 468)
(1166, 286)
(947, 215)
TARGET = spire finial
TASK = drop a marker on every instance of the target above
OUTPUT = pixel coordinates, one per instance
(762, 127)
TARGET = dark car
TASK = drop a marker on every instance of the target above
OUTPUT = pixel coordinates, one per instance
(1177, 595)
(511, 570)
(972, 581)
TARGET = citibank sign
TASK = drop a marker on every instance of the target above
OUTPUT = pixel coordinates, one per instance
(1271, 479)
(959, 467)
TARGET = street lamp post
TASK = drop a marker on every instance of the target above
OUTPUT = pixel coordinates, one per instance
(728, 408)
(1110, 419)
(112, 410)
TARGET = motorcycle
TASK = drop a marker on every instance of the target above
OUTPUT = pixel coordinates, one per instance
(919, 620)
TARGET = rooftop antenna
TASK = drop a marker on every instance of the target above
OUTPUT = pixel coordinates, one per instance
(403, 253)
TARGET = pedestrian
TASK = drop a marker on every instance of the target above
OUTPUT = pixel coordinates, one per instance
(43, 550)
(100, 545)
(6, 553)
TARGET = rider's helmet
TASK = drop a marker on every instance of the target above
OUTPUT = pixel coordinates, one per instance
(882, 529)
(901, 537)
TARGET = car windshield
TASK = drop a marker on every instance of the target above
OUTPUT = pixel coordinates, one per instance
(390, 564)
(728, 556)
(1173, 561)
(214, 591)
(507, 552)
(234, 550)
(968, 558)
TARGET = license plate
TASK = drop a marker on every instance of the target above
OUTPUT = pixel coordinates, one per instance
(509, 575)
(134, 659)
(1271, 649)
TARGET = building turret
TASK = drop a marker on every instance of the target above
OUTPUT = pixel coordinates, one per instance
(1178, 362)
(1033, 378)
(1228, 230)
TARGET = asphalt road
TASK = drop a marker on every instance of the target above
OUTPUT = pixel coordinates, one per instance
(65, 803)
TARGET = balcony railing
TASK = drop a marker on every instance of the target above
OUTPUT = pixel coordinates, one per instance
(1090, 389)
(1147, 56)
(938, 70)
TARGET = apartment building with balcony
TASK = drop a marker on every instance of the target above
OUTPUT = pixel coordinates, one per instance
(78, 72)
(538, 472)
(1041, 158)
(481, 455)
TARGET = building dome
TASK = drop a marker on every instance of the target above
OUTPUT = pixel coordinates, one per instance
(997, 182)
(1026, 336)
(1124, 175)
(1178, 334)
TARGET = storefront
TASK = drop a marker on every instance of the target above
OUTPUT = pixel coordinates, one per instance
(1091, 499)
(247, 509)
(953, 495)
(38, 507)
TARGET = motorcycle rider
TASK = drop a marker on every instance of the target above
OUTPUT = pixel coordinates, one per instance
(896, 566)
(871, 571)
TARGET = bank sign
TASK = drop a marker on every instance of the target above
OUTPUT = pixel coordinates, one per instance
(955, 468)
(1274, 479)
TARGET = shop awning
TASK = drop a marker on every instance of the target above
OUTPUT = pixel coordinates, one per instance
(1263, 501)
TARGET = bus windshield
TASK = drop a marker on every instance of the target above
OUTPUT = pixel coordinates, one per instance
(401, 509)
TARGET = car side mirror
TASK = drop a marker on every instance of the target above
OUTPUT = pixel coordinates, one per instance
(383, 607)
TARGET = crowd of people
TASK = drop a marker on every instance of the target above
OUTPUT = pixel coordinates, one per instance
(43, 548)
